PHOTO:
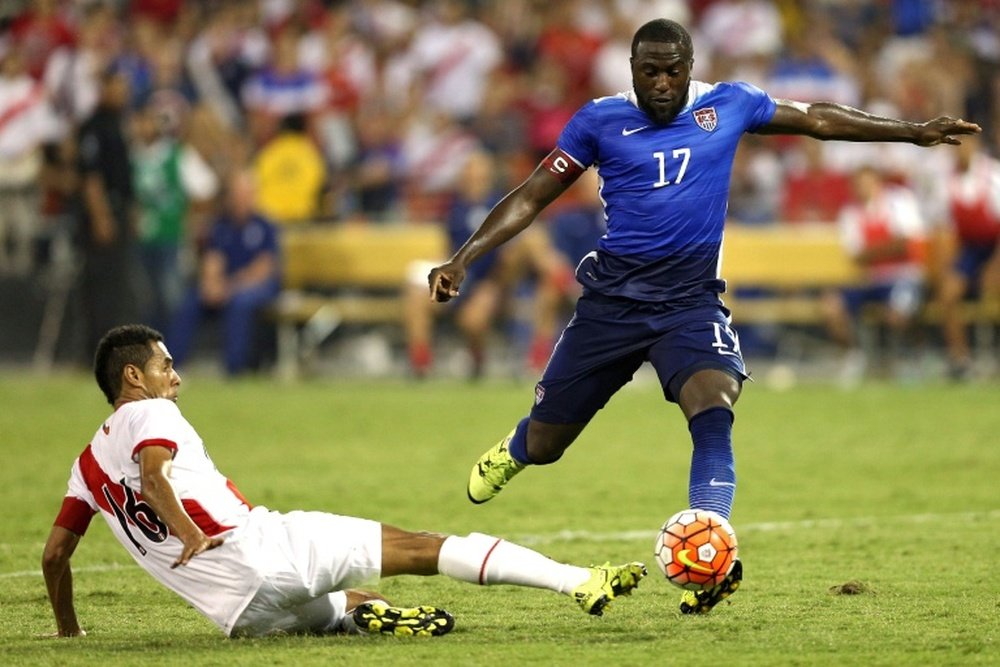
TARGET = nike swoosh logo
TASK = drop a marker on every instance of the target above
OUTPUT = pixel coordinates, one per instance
(626, 131)
(713, 482)
(683, 557)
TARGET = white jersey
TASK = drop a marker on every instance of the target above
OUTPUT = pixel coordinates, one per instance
(105, 478)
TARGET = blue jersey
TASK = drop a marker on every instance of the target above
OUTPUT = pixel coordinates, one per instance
(241, 244)
(665, 189)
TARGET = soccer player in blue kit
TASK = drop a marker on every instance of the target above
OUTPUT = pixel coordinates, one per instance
(651, 291)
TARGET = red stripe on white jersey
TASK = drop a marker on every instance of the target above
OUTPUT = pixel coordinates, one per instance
(203, 519)
(236, 492)
(97, 480)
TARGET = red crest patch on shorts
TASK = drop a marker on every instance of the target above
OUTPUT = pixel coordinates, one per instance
(706, 118)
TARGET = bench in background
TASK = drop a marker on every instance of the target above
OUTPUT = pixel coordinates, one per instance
(335, 274)
(343, 273)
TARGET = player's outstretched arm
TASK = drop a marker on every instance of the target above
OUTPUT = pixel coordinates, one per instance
(827, 120)
(154, 472)
(507, 219)
(59, 549)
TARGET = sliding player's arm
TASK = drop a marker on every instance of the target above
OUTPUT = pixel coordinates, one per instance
(58, 575)
(154, 472)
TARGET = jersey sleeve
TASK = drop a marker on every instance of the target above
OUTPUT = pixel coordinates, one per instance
(158, 423)
(78, 506)
(758, 107)
(578, 139)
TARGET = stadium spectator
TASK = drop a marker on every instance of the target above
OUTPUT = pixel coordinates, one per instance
(885, 234)
(477, 308)
(545, 105)
(27, 122)
(433, 148)
(453, 56)
(250, 570)
(110, 266)
(570, 40)
(39, 32)
(377, 169)
(290, 174)
(282, 89)
(652, 289)
(974, 215)
(171, 180)
(742, 28)
(222, 58)
(72, 75)
(812, 191)
(238, 275)
(346, 65)
(756, 183)
(814, 65)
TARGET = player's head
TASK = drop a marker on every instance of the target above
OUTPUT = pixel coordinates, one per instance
(966, 151)
(867, 181)
(662, 56)
(132, 360)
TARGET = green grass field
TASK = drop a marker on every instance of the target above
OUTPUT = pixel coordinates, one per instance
(895, 488)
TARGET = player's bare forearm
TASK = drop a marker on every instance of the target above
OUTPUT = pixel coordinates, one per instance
(58, 575)
(895, 248)
(159, 493)
(830, 121)
(507, 219)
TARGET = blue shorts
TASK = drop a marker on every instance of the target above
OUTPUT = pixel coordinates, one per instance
(608, 339)
(970, 261)
(904, 296)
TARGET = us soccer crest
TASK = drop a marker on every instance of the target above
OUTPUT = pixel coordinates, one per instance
(706, 118)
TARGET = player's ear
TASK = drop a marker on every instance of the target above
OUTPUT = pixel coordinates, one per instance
(133, 376)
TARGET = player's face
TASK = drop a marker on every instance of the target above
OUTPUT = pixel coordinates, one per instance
(661, 72)
(161, 380)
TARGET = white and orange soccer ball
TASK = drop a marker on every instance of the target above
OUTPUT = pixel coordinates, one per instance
(695, 549)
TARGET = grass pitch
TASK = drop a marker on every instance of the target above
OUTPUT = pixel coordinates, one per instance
(869, 523)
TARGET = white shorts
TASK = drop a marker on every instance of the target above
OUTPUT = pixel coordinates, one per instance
(306, 560)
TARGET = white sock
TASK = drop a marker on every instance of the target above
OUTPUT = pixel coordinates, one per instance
(486, 560)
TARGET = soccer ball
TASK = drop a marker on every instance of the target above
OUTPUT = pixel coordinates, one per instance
(695, 549)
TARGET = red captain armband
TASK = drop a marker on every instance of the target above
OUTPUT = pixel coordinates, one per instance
(74, 516)
(562, 166)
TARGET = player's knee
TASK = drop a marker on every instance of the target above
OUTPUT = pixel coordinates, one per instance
(547, 442)
(709, 389)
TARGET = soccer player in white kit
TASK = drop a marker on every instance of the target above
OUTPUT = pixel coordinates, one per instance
(250, 570)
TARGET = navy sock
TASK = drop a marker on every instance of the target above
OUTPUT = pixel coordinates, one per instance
(713, 472)
(518, 445)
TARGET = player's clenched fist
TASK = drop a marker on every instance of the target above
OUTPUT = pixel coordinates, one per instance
(444, 281)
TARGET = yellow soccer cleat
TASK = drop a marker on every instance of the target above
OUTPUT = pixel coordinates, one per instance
(379, 618)
(701, 602)
(605, 584)
(492, 471)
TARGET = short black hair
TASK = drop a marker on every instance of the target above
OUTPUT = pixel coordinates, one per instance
(121, 346)
(665, 31)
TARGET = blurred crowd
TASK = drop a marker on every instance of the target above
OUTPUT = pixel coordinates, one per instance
(370, 110)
